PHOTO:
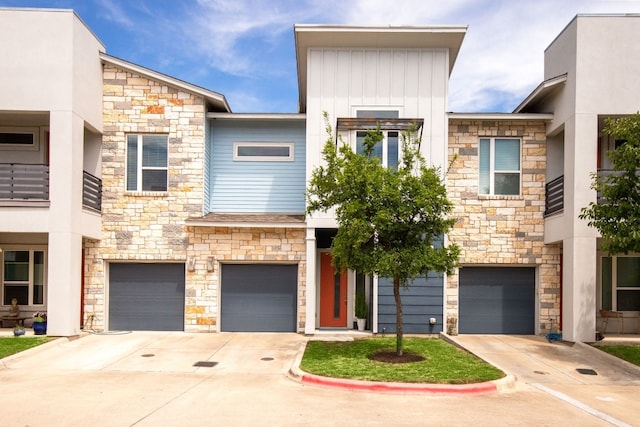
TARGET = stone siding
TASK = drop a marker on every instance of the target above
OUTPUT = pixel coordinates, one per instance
(501, 230)
(144, 226)
(238, 245)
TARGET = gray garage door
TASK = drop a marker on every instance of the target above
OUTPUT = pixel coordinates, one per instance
(146, 297)
(497, 300)
(258, 298)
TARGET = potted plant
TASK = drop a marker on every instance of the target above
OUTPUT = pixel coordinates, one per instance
(361, 310)
(40, 323)
(18, 330)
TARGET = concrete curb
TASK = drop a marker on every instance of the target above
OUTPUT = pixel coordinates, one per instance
(475, 389)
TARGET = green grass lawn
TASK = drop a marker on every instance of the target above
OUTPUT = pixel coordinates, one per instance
(630, 353)
(13, 345)
(444, 363)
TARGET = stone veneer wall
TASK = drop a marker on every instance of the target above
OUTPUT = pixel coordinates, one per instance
(501, 230)
(144, 226)
(238, 245)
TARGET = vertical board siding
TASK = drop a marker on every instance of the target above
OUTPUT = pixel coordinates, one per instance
(420, 301)
(341, 79)
(256, 186)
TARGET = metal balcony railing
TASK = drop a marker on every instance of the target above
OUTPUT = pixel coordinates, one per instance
(24, 181)
(91, 191)
(554, 196)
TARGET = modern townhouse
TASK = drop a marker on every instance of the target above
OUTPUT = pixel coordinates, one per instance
(590, 74)
(192, 218)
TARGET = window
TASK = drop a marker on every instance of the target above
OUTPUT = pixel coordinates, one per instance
(23, 276)
(387, 150)
(147, 164)
(499, 166)
(263, 151)
(18, 138)
(620, 283)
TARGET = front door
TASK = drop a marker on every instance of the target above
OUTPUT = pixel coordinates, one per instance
(333, 294)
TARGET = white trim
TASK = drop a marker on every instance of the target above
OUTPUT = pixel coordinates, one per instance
(256, 116)
(140, 168)
(500, 116)
(34, 131)
(492, 170)
(31, 249)
(239, 158)
(212, 97)
(367, 107)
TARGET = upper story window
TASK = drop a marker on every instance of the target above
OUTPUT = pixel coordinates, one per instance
(263, 151)
(388, 150)
(500, 166)
(147, 162)
(18, 138)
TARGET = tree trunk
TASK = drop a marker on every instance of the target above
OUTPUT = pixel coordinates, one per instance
(399, 328)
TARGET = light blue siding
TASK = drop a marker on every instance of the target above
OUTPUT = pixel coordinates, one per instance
(256, 186)
(207, 165)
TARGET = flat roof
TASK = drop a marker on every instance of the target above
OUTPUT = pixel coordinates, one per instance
(380, 37)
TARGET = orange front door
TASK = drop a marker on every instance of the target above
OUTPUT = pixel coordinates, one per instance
(333, 294)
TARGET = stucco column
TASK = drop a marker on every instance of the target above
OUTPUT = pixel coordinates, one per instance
(65, 237)
(579, 289)
(579, 249)
(310, 321)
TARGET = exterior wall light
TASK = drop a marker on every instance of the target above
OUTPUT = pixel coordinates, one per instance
(210, 263)
(191, 264)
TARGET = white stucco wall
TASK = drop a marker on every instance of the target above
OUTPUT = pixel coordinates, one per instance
(601, 58)
(51, 64)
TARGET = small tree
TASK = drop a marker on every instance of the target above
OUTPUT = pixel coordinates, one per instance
(617, 215)
(391, 222)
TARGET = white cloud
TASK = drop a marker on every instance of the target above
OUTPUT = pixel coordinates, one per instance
(113, 11)
(501, 59)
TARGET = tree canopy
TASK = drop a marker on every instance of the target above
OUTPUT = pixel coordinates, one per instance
(616, 215)
(391, 222)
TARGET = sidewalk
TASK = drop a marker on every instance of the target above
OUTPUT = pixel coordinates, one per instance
(607, 388)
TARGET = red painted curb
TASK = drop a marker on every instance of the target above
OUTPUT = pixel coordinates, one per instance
(466, 389)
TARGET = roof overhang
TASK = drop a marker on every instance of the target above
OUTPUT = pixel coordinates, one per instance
(543, 90)
(257, 116)
(214, 100)
(248, 220)
(500, 116)
(347, 124)
(374, 37)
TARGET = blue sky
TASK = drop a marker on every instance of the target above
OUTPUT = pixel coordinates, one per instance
(244, 49)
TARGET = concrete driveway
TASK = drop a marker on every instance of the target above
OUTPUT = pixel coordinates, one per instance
(175, 379)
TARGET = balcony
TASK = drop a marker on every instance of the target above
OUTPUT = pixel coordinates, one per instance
(91, 191)
(29, 182)
(554, 196)
(24, 182)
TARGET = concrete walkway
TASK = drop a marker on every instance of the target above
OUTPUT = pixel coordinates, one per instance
(575, 373)
(175, 379)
